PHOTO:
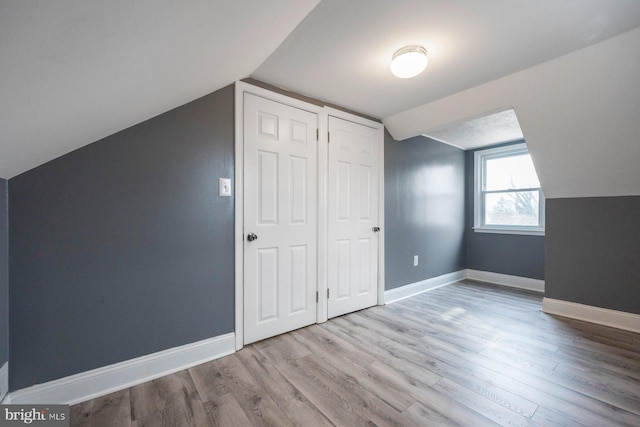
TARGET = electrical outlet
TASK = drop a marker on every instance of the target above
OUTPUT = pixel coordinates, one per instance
(415, 260)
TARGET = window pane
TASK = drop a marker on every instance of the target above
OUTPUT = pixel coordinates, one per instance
(512, 208)
(505, 173)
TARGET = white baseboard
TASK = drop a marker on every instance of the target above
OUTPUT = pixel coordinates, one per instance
(98, 382)
(506, 280)
(588, 313)
(4, 380)
(406, 291)
(412, 289)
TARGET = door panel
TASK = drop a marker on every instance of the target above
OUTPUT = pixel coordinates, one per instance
(267, 285)
(268, 196)
(352, 216)
(298, 262)
(364, 264)
(280, 208)
(364, 193)
(343, 261)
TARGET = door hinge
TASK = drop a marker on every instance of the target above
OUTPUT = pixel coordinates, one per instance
(327, 293)
(317, 296)
(317, 134)
(328, 136)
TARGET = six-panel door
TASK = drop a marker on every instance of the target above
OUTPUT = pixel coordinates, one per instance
(352, 217)
(280, 211)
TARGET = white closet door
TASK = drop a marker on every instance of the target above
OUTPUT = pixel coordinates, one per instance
(280, 211)
(352, 217)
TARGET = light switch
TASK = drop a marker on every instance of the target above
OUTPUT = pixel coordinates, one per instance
(224, 187)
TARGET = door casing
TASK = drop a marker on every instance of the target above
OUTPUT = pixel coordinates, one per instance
(323, 114)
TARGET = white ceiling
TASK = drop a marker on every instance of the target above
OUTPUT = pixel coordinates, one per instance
(578, 113)
(342, 50)
(75, 71)
(488, 129)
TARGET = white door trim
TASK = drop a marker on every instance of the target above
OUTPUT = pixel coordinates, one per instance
(240, 89)
(379, 127)
(323, 117)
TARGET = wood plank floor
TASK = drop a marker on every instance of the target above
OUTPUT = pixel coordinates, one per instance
(466, 354)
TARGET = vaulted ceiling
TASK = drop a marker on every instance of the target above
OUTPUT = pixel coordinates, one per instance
(75, 71)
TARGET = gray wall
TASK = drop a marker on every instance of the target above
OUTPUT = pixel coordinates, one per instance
(123, 248)
(424, 209)
(593, 251)
(513, 254)
(4, 272)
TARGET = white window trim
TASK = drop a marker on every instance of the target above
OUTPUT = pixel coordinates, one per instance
(478, 201)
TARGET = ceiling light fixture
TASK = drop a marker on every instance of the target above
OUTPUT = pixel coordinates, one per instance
(409, 61)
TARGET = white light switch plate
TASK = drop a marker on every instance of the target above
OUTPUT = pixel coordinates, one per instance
(224, 187)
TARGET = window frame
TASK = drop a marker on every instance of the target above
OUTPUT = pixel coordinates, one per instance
(479, 225)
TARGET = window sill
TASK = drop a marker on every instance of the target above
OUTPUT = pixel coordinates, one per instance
(506, 230)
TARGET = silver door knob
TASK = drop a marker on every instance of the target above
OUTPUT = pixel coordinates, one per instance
(376, 229)
(251, 237)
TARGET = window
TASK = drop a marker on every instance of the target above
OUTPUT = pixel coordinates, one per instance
(508, 197)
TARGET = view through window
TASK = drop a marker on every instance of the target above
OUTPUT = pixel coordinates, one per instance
(508, 194)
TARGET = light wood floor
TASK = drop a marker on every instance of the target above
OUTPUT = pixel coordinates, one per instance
(466, 354)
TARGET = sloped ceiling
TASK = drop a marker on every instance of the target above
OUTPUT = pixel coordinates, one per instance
(573, 85)
(341, 52)
(580, 115)
(75, 71)
(488, 129)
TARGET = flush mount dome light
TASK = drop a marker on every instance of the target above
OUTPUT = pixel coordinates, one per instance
(409, 61)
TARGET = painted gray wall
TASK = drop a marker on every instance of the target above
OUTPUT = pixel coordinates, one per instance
(4, 271)
(424, 209)
(513, 254)
(593, 251)
(124, 248)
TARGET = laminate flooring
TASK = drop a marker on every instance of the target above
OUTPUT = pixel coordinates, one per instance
(466, 354)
